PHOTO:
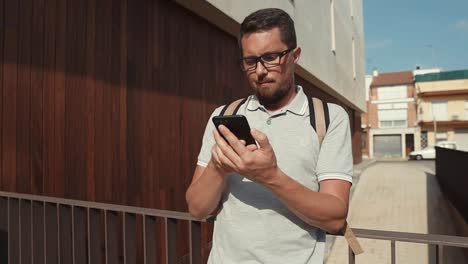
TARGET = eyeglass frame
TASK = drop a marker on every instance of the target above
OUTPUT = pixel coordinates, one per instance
(280, 54)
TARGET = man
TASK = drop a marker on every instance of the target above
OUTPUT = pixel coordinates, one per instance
(276, 201)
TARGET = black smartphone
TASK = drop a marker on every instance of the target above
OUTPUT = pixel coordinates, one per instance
(237, 124)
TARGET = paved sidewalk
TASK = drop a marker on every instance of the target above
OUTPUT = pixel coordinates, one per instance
(397, 196)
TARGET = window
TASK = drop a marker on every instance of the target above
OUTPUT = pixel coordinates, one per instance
(439, 110)
(441, 136)
(389, 118)
(332, 22)
(392, 92)
(466, 109)
(393, 115)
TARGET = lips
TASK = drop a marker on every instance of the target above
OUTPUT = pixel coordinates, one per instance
(264, 83)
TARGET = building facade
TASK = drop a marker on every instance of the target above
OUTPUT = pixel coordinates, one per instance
(391, 117)
(443, 108)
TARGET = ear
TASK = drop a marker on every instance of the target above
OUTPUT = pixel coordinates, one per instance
(297, 54)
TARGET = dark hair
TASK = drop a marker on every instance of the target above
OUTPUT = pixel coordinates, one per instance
(266, 19)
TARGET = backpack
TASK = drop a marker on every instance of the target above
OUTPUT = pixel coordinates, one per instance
(319, 120)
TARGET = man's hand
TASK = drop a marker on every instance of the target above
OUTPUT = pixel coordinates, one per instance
(257, 164)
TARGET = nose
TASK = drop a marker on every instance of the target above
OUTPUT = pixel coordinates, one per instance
(261, 70)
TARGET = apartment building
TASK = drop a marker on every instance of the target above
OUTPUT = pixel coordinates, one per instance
(390, 123)
(443, 108)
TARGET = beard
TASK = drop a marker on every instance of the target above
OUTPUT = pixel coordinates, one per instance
(272, 96)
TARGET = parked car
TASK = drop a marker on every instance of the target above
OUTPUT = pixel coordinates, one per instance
(429, 152)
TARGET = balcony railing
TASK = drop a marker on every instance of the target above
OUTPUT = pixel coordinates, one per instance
(439, 241)
(40, 229)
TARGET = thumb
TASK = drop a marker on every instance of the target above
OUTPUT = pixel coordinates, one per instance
(260, 138)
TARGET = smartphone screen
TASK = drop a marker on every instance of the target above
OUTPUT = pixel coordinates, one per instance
(237, 124)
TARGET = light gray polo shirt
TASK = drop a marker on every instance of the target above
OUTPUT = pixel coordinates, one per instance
(254, 226)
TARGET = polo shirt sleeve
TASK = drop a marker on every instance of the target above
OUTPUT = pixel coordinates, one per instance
(208, 140)
(335, 159)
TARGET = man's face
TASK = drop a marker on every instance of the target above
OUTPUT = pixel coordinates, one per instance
(275, 83)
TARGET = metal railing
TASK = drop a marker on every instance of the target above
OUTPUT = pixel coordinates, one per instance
(40, 229)
(440, 241)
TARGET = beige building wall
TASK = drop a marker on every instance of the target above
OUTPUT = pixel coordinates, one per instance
(330, 33)
(450, 85)
(455, 107)
(455, 93)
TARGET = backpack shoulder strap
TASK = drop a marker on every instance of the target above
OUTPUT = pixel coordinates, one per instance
(232, 107)
(319, 117)
(320, 120)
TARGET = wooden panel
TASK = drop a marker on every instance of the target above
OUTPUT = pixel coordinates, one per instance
(123, 160)
(25, 231)
(75, 101)
(135, 80)
(14, 232)
(36, 118)
(65, 234)
(49, 171)
(2, 30)
(150, 239)
(130, 239)
(96, 237)
(38, 233)
(114, 250)
(113, 180)
(3, 230)
(90, 100)
(51, 234)
(10, 74)
(59, 99)
(102, 99)
(23, 91)
(80, 235)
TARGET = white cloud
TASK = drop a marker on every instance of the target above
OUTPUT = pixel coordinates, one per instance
(462, 24)
(379, 44)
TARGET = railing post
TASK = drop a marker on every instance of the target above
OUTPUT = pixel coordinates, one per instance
(195, 243)
(351, 256)
(393, 252)
(439, 254)
(171, 240)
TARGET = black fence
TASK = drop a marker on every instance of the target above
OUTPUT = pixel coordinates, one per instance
(452, 175)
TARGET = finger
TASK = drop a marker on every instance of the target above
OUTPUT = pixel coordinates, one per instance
(252, 147)
(228, 150)
(224, 161)
(243, 142)
(218, 138)
(233, 141)
(215, 157)
(261, 138)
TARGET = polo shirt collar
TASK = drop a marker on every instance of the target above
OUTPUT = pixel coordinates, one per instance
(297, 106)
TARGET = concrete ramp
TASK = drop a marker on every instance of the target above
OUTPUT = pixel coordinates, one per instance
(404, 197)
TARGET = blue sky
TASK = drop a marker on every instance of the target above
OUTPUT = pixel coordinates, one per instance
(400, 34)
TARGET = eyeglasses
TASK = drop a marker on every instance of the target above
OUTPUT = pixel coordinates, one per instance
(268, 60)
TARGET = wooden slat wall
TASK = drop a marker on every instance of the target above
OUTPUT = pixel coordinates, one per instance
(107, 100)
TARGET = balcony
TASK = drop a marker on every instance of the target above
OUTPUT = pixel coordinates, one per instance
(39, 229)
